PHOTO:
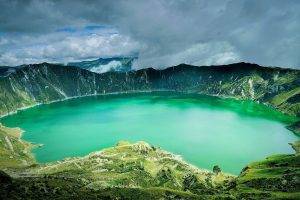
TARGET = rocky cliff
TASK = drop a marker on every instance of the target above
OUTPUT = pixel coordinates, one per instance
(43, 83)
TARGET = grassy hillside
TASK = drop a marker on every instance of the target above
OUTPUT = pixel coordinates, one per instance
(277, 177)
(14, 152)
(141, 171)
(42, 83)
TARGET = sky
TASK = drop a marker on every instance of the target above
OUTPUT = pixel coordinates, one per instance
(161, 33)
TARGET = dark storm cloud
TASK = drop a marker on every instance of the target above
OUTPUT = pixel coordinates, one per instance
(163, 32)
(40, 16)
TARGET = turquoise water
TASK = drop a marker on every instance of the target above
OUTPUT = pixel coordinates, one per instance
(205, 130)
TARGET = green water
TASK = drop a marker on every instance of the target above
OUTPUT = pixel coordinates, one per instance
(205, 130)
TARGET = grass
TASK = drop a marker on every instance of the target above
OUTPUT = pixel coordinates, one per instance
(282, 97)
(14, 152)
(276, 177)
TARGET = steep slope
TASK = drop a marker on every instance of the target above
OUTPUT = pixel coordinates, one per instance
(42, 83)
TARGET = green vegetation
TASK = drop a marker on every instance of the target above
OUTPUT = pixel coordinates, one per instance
(275, 177)
(141, 171)
(295, 128)
(13, 151)
(44, 83)
(282, 97)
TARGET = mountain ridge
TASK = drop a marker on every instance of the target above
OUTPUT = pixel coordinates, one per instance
(43, 83)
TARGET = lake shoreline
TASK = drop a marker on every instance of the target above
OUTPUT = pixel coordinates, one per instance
(147, 92)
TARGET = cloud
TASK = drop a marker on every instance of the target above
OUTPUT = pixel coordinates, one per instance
(65, 47)
(111, 66)
(212, 53)
(163, 32)
(264, 32)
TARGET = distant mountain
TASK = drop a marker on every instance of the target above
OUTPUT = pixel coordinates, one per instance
(101, 65)
(6, 70)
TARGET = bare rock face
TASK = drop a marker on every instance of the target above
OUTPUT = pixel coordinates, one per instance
(142, 147)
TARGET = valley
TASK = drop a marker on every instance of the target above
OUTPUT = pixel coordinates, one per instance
(148, 170)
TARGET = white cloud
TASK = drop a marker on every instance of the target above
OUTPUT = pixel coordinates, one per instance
(163, 32)
(113, 65)
(64, 47)
(212, 53)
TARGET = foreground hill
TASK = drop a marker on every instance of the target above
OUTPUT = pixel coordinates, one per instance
(138, 171)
